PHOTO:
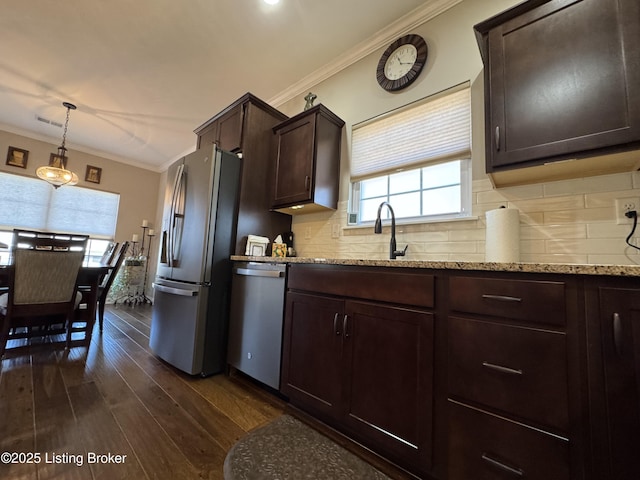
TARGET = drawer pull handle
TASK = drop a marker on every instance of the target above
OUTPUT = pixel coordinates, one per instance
(502, 466)
(497, 138)
(335, 324)
(501, 298)
(617, 333)
(502, 369)
(345, 326)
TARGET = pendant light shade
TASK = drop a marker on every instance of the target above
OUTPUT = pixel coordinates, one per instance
(59, 175)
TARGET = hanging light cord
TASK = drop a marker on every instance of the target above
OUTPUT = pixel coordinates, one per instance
(66, 125)
(632, 214)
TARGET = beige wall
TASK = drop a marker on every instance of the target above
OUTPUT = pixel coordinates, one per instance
(138, 187)
(570, 221)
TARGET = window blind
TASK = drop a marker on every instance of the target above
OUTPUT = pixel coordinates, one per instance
(436, 130)
(31, 203)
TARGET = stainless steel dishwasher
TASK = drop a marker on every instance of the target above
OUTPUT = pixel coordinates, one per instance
(255, 323)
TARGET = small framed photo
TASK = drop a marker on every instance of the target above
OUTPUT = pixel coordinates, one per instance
(93, 174)
(17, 157)
(257, 249)
(57, 161)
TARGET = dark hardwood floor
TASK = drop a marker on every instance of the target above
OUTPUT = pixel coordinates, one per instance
(117, 399)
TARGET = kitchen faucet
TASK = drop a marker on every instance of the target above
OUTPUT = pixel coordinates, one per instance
(393, 253)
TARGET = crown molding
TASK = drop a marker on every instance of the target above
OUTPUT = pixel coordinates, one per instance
(381, 39)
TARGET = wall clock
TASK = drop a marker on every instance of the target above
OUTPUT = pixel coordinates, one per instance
(402, 62)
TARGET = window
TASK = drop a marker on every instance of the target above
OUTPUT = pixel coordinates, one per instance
(33, 204)
(418, 159)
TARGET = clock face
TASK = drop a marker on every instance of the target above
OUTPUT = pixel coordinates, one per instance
(402, 62)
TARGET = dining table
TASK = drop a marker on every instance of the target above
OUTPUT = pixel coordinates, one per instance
(89, 277)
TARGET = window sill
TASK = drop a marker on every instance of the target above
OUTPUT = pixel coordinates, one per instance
(409, 223)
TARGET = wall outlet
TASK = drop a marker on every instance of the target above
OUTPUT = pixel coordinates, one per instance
(624, 205)
(335, 230)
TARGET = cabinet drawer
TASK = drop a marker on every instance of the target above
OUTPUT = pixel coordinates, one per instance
(486, 447)
(518, 370)
(400, 286)
(531, 301)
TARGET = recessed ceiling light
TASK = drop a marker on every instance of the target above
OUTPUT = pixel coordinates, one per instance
(271, 2)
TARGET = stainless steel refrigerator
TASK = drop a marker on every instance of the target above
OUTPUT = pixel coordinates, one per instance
(191, 289)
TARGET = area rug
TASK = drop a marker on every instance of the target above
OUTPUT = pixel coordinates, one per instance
(288, 449)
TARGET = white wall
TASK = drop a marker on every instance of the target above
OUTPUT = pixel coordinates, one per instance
(566, 222)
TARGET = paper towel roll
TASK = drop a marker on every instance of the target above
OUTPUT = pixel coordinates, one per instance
(503, 235)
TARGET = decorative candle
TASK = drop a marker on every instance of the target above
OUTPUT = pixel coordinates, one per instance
(145, 223)
(135, 237)
(152, 232)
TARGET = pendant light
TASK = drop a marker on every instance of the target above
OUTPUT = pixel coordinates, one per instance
(59, 176)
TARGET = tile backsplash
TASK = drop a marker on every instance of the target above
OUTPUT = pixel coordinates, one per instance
(571, 221)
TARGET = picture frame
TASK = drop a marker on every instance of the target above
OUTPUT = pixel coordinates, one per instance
(57, 161)
(257, 249)
(17, 157)
(93, 174)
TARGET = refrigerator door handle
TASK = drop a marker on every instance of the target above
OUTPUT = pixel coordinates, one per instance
(175, 291)
(173, 215)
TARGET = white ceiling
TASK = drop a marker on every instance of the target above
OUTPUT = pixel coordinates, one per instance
(145, 73)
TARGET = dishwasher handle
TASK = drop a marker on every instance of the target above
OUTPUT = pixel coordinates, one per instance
(250, 272)
(175, 291)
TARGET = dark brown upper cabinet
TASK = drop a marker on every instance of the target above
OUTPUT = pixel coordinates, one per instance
(307, 165)
(225, 130)
(245, 127)
(562, 81)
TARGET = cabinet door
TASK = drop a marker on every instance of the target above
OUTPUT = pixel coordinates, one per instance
(230, 129)
(562, 81)
(208, 137)
(294, 164)
(312, 353)
(389, 374)
(620, 342)
(225, 131)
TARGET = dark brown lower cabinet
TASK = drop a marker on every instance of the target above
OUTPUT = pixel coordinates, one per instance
(312, 366)
(509, 376)
(364, 368)
(532, 376)
(613, 318)
(388, 366)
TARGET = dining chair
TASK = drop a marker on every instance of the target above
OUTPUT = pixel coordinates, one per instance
(103, 292)
(42, 285)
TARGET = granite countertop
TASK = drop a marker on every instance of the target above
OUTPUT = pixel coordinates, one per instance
(569, 268)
